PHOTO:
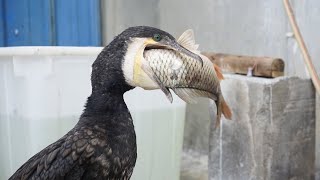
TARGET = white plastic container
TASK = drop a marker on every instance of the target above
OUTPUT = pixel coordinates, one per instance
(42, 94)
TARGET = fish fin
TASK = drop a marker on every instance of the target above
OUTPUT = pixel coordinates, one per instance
(146, 68)
(187, 40)
(218, 72)
(190, 95)
(226, 111)
(185, 95)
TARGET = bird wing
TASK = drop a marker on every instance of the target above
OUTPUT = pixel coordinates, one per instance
(58, 159)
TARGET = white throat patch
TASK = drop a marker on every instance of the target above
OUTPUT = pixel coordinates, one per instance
(132, 69)
(129, 59)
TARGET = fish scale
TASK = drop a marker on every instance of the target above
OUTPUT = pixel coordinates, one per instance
(190, 74)
(187, 77)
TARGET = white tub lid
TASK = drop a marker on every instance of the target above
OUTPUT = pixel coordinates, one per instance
(49, 51)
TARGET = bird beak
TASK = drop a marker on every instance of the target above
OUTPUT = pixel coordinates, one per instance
(174, 45)
(179, 48)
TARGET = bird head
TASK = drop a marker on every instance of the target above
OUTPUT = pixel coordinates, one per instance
(120, 61)
(143, 38)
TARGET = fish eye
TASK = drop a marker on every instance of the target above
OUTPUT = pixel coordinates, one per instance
(157, 37)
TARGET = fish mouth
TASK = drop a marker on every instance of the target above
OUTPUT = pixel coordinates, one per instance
(156, 46)
(174, 46)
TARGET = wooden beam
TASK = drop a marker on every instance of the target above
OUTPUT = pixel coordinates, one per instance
(261, 66)
(306, 56)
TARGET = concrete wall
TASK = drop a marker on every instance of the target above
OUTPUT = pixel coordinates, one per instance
(121, 14)
(272, 135)
(194, 165)
(246, 27)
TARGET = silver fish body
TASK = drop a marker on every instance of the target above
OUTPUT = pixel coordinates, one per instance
(187, 77)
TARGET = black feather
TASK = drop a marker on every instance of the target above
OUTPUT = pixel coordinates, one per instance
(102, 145)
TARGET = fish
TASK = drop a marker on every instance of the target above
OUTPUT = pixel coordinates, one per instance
(188, 78)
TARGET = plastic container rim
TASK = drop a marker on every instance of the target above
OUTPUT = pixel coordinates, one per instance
(49, 51)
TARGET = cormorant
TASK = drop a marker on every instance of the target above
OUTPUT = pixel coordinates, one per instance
(102, 145)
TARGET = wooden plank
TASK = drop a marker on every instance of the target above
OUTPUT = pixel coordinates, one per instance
(307, 15)
(317, 157)
(305, 53)
(262, 66)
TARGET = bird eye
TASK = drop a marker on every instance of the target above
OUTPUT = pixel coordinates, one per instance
(157, 37)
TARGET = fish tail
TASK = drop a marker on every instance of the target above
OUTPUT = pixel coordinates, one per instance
(218, 72)
(219, 111)
(222, 108)
(226, 111)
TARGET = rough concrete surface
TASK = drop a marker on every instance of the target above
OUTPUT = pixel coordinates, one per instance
(272, 135)
(194, 166)
(194, 161)
(196, 130)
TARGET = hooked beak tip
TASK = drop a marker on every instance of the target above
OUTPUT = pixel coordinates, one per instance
(200, 60)
(176, 46)
(179, 48)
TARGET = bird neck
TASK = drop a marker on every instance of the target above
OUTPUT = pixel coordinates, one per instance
(104, 103)
(107, 80)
